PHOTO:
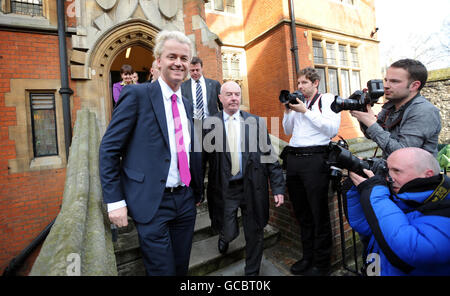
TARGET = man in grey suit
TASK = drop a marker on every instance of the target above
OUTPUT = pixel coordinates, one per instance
(202, 93)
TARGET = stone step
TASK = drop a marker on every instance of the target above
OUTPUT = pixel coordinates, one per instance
(205, 257)
(128, 253)
(202, 228)
(237, 269)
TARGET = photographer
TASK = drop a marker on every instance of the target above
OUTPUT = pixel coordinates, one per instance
(312, 124)
(408, 119)
(408, 221)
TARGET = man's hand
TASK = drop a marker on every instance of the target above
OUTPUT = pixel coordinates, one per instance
(357, 179)
(119, 217)
(300, 107)
(279, 199)
(367, 118)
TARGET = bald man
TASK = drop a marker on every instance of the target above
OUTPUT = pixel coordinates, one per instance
(409, 224)
(241, 167)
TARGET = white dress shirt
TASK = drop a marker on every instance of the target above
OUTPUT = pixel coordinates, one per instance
(194, 95)
(312, 128)
(173, 178)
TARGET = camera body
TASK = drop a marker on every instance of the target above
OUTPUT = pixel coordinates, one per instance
(342, 158)
(291, 98)
(360, 99)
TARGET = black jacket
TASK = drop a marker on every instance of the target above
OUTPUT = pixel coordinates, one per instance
(259, 165)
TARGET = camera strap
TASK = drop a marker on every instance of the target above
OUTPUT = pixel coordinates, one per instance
(441, 191)
(313, 101)
(434, 201)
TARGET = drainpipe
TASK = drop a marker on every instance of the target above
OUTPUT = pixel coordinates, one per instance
(294, 48)
(65, 90)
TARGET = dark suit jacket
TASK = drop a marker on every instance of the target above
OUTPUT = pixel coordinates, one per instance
(135, 153)
(212, 91)
(258, 165)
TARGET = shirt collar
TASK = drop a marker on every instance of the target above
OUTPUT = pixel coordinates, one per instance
(167, 92)
(226, 116)
(201, 79)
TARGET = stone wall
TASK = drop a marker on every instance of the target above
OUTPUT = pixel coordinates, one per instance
(437, 90)
(80, 242)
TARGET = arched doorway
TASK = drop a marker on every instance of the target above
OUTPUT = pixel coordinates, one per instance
(138, 35)
(138, 56)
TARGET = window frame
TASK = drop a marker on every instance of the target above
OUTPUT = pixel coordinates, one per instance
(33, 132)
(338, 66)
(41, 5)
(210, 7)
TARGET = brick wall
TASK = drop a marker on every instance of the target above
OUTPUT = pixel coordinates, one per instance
(284, 219)
(210, 55)
(30, 200)
(271, 68)
(269, 71)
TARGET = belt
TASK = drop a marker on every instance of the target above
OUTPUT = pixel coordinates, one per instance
(236, 182)
(309, 150)
(173, 189)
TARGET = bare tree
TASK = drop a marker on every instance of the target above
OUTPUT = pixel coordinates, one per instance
(432, 49)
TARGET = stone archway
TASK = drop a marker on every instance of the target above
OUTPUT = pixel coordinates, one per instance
(132, 33)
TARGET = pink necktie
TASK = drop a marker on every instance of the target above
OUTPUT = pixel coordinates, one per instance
(183, 166)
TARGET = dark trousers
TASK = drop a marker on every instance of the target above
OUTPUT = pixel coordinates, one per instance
(254, 237)
(166, 240)
(307, 181)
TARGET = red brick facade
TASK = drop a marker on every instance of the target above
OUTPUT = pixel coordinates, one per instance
(29, 200)
(211, 57)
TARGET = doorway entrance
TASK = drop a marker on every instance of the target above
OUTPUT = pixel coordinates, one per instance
(107, 57)
(137, 56)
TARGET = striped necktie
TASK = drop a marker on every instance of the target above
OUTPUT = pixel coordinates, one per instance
(199, 101)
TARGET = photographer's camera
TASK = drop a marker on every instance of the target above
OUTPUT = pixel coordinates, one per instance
(360, 99)
(342, 158)
(291, 98)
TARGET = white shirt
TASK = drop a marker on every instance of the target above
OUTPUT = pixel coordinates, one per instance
(194, 95)
(173, 178)
(236, 121)
(312, 128)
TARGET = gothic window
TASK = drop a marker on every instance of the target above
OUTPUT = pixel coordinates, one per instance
(354, 56)
(343, 61)
(43, 122)
(233, 68)
(331, 54)
(338, 67)
(26, 7)
(231, 63)
(318, 52)
(228, 6)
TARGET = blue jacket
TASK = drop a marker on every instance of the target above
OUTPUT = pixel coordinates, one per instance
(403, 240)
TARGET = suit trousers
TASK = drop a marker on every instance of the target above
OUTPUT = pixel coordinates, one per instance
(254, 236)
(166, 241)
(307, 181)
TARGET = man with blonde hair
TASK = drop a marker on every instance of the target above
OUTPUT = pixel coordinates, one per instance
(146, 165)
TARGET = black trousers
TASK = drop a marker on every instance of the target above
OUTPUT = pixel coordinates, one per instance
(307, 181)
(254, 236)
